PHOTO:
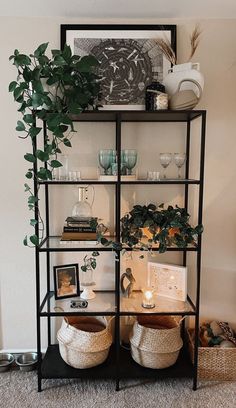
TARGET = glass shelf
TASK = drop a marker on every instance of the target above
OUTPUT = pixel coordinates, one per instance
(113, 182)
(133, 305)
(138, 116)
(54, 244)
(103, 303)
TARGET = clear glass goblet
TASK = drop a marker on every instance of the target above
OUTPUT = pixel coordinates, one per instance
(105, 159)
(130, 159)
(179, 159)
(165, 160)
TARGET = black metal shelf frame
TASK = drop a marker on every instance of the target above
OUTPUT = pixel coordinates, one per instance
(119, 364)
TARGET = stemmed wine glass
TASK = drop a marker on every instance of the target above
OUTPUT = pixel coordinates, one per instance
(165, 160)
(129, 157)
(105, 159)
(180, 159)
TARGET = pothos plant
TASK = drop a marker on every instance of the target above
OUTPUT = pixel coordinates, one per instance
(145, 225)
(49, 90)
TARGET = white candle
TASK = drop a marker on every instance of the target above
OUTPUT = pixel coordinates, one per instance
(148, 301)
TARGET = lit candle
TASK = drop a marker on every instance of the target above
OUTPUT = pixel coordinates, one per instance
(148, 301)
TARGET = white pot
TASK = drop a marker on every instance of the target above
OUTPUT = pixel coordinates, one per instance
(179, 72)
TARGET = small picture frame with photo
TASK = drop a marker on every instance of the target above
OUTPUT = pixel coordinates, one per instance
(66, 281)
(168, 280)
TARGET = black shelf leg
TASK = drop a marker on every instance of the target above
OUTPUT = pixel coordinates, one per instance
(117, 384)
(39, 383)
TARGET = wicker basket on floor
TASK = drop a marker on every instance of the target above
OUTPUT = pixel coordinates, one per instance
(84, 342)
(214, 363)
(156, 341)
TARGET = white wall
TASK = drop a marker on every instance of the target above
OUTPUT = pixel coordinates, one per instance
(217, 56)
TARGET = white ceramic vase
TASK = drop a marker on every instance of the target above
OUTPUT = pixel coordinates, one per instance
(178, 72)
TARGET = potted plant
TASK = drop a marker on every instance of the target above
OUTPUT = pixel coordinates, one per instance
(148, 225)
(50, 89)
(87, 282)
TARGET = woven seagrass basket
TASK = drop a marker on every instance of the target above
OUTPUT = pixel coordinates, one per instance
(84, 342)
(156, 341)
(214, 363)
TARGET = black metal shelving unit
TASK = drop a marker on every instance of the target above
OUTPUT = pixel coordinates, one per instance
(119, 364)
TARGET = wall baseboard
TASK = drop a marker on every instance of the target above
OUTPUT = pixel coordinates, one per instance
(17, 352)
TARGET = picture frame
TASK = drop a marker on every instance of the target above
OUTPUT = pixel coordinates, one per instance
(66, 281)
(127, 55)
(168, 280)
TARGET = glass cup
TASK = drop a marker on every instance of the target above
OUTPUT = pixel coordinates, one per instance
(165, 160)
(63, 170)
(153, 175)
(180, 159)
(105, 159)
(129, 158)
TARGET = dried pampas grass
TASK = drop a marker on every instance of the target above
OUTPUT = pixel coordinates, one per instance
(165, 46)
(194, 40)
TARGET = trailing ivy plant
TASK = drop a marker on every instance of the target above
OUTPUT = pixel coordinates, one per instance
(90, 262)
(145, 225)
(50, 90)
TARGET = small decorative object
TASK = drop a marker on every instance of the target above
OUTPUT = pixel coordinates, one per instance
(179, 159)
(127, 55)
(165, 160)
(84, 341)
(27, 361)
(148, 300)
(129, 276)
(78, 304)
(168, 280)
(185, 98)
(155, 97)
(87, 282)
(82, 208)
(156, 341)
(66, 281)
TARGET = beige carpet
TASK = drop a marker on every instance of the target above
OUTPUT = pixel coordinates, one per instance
(18, 390)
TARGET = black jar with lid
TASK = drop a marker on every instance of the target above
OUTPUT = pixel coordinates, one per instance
(152, 91)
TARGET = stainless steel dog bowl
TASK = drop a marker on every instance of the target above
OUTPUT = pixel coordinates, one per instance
(27, 361)
(6, 360)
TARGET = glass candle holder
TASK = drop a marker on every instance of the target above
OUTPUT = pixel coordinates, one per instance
(148, 299)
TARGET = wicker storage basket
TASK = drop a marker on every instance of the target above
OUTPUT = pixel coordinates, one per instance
(84, 342)
(156, 341)
(214, 363)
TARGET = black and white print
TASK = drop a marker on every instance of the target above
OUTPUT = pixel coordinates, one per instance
(127, 55)
(125, 67)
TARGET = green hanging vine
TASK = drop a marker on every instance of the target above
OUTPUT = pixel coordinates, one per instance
(50, 90)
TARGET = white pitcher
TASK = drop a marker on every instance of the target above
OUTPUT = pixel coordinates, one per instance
(178, 72)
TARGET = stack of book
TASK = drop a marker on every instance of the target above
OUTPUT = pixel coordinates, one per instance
(79, 229)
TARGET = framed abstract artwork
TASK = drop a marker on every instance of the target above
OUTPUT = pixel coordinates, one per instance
(168, 280)
(128, 57)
